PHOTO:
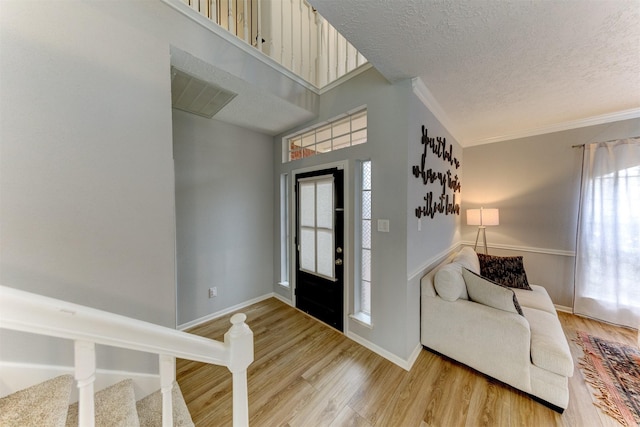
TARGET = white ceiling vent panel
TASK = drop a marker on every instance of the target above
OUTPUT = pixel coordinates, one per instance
(197, 96)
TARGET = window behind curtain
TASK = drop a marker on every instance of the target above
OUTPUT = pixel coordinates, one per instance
(608, 247)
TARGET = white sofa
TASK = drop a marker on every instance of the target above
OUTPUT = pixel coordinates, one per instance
(529, 351)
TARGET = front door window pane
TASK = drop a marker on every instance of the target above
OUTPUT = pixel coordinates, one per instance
(325, 252)
(308, 249)
(307, 204)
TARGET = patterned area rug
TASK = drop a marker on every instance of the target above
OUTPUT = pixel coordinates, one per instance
(613, 370)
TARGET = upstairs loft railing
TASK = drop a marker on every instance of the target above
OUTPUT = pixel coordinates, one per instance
(28, 312)
(289, 31)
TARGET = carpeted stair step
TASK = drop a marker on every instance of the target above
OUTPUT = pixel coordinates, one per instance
(43, 404)
(115, 406)
(150, 409)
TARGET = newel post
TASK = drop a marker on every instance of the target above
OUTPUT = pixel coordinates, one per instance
(239, 341)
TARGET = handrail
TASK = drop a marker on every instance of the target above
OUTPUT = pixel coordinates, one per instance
(29, 312)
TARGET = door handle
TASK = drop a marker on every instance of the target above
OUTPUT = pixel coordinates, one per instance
(339, 250)
(339, 261)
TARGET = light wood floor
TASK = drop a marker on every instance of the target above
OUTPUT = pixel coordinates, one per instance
(307, 374)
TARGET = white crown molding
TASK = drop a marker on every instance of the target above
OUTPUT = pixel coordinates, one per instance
(429, 101)
(633, 113)
(530, 249)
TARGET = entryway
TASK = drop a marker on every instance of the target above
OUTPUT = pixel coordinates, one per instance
(319, 245)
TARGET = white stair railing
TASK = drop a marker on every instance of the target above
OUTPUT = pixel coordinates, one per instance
(28, 312)
(294, 35)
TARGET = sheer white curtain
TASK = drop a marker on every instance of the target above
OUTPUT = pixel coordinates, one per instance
(608, 245)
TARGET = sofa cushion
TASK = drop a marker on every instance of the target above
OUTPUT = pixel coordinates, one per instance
(468, 258)
(537, 298)
(449, 283)
(549, 347)
(486, 292)
(506, 270)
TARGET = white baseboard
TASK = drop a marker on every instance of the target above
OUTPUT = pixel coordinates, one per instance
(283, 299)
(404, 364)
(564, 308)
(414, 355)
(226, 311)
(16, 376)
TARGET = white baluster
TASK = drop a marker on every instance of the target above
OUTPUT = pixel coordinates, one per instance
(259, 26)
(301, 37)
(239, 340)
(319, 49)
(282, 33)
(167, 377)
(245, 27)
(213, 11)
(293, 64)
(85, 374)
(346, 56)
(231, 20)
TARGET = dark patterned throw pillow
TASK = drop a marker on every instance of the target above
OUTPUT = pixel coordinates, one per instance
(506, 270)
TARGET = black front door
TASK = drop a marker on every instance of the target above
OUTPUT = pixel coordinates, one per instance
(319, 244)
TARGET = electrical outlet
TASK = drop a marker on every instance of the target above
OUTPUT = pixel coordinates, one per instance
(213, 292)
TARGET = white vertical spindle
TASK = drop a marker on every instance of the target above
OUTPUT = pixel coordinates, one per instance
(347, 67)
(282, 33)
(245, 27)
(337, 47)
(239, 340)
(310, 76)
(231, 19)
(319, 47)
(259, 25)
(213, 11)
(167, 378)
(301, 37)
(293, 67)
(85, 374)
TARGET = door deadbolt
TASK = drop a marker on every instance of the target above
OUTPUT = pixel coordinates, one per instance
(339, 250)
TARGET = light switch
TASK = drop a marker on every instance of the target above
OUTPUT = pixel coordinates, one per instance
(383, 225)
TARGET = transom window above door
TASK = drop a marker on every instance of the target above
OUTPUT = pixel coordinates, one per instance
(346, 130)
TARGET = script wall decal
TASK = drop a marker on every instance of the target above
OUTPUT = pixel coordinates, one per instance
(445, 184)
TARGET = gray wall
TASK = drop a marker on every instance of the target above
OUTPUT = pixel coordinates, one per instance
(88, 205)
(535, 183)
(224, 214)
(439, 234)
(394, 119)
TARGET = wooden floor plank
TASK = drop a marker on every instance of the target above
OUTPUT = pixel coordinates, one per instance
(308, 374)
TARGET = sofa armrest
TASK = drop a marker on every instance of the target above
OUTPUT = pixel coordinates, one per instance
(492, 341)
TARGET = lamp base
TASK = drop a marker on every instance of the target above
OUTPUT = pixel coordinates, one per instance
(484, 239)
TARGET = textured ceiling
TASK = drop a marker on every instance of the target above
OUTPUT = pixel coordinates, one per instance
(504, 68)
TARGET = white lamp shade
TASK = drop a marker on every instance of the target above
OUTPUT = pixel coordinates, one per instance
(483, 217)
(473, 216)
